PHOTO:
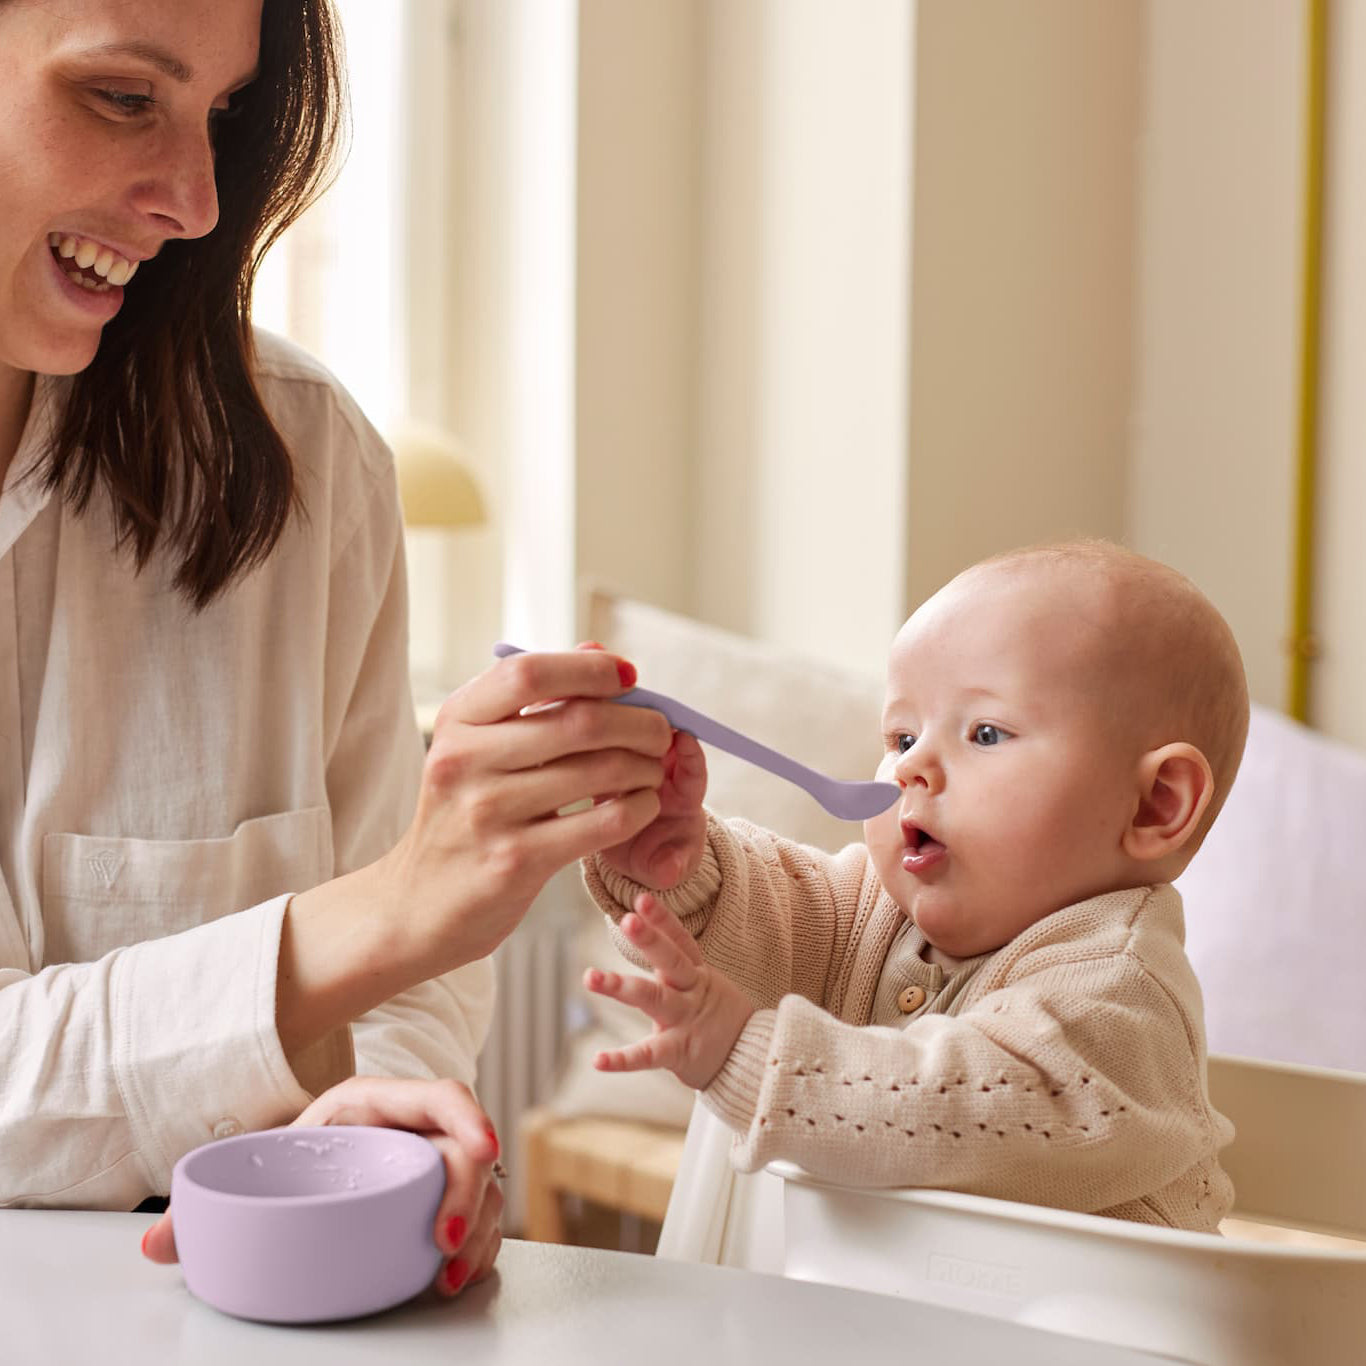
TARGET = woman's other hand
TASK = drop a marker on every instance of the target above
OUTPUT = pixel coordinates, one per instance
(467, 1221)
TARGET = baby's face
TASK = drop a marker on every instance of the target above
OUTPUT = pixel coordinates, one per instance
(1016, 790)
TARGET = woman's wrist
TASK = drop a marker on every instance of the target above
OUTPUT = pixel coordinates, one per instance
(343, 951)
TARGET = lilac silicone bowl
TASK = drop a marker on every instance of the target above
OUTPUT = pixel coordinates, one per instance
(305, 1225)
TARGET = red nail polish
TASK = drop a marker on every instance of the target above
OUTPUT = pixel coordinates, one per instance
(455, 1231)
(493, 1138)
(456, 1274)
(627, 673)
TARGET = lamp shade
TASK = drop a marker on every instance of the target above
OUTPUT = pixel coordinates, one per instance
(436, 488)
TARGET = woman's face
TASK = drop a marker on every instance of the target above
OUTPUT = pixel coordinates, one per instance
(105, 153)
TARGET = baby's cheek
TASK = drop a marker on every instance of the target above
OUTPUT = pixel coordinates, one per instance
(882, 833)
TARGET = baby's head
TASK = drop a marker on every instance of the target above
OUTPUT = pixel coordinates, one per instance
(1063, 720)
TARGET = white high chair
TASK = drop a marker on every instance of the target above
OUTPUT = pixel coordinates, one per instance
(1298, 1161)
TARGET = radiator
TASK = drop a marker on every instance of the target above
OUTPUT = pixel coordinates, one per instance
(533, 1013)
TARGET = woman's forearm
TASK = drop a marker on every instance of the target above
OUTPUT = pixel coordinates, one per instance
(343, 951)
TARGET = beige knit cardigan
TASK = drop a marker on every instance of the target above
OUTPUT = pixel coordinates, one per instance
(1068, 1069)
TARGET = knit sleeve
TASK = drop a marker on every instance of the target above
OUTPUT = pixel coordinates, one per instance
(774, 916)
(1074, 1087)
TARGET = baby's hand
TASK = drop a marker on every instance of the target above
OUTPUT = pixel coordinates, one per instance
(698, 1012)
(669, 849)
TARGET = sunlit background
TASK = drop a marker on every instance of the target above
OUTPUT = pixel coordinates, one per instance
(777, 313)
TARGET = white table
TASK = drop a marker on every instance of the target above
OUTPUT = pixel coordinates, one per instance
(75, 1289)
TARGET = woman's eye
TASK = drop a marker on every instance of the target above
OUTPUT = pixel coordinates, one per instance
(126, 102)
(983, 733)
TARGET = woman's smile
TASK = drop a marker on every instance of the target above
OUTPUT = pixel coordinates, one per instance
(97, 299)
(89, 263)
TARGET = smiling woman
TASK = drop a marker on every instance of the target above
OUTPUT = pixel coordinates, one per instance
(230, 882)
(191, 154)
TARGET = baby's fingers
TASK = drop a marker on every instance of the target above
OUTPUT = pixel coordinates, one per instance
(641, 992)
(637, 1057)
(658, 933)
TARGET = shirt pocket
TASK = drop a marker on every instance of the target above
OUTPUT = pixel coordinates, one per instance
(101, 894)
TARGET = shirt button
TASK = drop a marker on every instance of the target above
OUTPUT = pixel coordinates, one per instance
(227, 1128)
(911, 998)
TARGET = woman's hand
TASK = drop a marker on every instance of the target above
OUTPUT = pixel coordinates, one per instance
(669, 850)
(532, 735)
(445, 1112)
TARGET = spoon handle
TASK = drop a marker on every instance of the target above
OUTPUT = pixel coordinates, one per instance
(683, 717)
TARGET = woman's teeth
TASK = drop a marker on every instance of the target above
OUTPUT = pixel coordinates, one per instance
(79, 255)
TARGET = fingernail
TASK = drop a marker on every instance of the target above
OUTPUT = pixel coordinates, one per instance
(493, 1138)
(592, 645)
(455, 1232)
(627, 673)
(456, 1274)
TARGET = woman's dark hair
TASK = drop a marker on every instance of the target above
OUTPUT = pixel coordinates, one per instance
(167, 417)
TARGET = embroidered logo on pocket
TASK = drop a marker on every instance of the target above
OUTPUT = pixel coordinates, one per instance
(105, 865)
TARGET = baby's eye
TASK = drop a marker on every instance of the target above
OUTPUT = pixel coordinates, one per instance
(902, 743)
(984, 733)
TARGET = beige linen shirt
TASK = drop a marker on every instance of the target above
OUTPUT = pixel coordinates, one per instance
(167, 780)
(1066, 1068)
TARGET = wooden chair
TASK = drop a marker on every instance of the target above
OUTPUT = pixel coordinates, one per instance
(622, 1165)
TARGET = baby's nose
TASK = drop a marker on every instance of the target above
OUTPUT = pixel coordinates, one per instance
(919, 766)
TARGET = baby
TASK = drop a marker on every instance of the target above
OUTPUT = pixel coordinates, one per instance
(990, 995)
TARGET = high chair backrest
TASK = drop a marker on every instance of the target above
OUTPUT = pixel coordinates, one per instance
(1299, 1155)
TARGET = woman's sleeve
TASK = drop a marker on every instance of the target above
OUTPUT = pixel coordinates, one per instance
(113, 1069)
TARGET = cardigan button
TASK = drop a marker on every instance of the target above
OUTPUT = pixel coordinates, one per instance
(910, 999)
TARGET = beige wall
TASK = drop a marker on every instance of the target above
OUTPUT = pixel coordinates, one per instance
(804, 280)
(1022, 288)
(637, 291)
(804, 398)
(1211, 471)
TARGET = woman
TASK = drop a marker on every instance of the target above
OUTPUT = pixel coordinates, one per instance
(204, 701)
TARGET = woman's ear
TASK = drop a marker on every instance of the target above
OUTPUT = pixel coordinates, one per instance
(1175, 786)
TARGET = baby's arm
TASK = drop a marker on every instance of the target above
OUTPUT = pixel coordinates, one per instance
(1035, 1094)
(1038, 1092)
(774, 916)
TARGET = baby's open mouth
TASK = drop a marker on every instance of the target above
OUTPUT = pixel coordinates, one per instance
(921, 849)
(90, 264)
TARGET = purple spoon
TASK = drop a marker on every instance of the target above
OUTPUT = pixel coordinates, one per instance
(849, 800)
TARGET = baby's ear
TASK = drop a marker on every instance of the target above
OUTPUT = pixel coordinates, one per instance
(1175, 786)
